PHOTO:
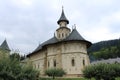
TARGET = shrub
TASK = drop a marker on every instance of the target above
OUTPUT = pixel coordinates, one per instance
(102, 71)
(55, 72)
(11, 69)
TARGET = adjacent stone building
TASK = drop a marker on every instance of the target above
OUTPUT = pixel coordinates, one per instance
(107, 61)
(67, 49)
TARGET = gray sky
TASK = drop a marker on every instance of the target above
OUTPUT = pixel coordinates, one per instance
(27, 23)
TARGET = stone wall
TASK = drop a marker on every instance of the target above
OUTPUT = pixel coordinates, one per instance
(70, 56)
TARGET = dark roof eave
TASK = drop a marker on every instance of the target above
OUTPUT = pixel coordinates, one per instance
(63, 27)
(40, 49)
(63, 20)
(88, 45)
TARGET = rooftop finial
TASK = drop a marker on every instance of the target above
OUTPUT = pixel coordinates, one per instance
(74, 26)
(62, 7)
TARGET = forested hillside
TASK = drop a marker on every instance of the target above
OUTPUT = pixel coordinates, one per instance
(105, 50)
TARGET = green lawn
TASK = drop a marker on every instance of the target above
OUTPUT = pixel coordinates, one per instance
(69, 79)
(64, 79)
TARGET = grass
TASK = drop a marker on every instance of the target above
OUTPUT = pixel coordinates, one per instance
(64, 79)
(69, 79)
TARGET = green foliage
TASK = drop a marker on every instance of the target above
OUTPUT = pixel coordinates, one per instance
(102, 71)
(103, 44)
(28, 74)
(106, 53)
(17, 56)
(11, 69)
(70, 79)
(55, 72)
(105, 50)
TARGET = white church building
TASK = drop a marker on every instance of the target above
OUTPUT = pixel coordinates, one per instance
(67, 49)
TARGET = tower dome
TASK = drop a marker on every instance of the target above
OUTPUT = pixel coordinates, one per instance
(63, 18)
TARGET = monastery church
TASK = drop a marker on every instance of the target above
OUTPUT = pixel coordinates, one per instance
(67, 49)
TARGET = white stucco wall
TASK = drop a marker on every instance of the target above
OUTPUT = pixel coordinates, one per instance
(63, 53)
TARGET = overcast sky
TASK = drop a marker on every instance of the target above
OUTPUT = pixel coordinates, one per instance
(27, 23)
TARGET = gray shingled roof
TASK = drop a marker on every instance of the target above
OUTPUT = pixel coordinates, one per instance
(5, 46)
(110, 61)
(63, 18)
(74, 35)
(50, 41)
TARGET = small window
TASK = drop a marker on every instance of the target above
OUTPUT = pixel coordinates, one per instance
(54, 63)
(60, 24)
(66, 34)
(83, 62)
(48, 63)
(38, 66)
(59, 36)
(62, 35)
(73, 62)
(34, 66)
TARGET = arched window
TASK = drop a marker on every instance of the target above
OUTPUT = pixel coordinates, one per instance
(66, 34)
(83, 62)
(62, 34)
(48, 63)
(38, 66)
(59, 36)
(54, 63)
(73, 62)
(34, 66)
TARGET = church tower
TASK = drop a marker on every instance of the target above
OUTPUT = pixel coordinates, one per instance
(4, 49)
(63, 31)
(4, 46)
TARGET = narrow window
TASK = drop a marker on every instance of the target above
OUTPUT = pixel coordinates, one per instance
(48, 63)
(59, 36)
(34, 66)
(83, 62)
(66, 34)
(62, 35)
(60, 24)
(38, 66)
(54, 63)
(73, 62)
